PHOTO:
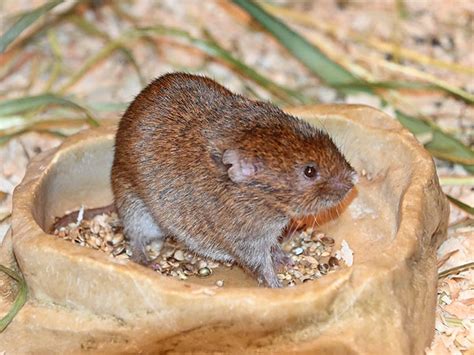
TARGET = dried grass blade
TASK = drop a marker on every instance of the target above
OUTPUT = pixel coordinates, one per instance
(440, 84)
(446, 257)
(456, 270)
(91, 29)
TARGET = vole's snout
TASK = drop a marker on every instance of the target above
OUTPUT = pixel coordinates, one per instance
(342, 186)
(354, 178)
(344, 182)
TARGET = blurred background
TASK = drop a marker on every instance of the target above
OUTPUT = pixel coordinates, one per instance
(68, 65)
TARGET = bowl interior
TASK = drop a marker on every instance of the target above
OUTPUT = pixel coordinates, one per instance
(80, 176)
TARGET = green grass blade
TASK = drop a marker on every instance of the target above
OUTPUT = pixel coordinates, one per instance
(16, 106)
(20, 299)
(465, 207)
(24, 22)
(329, 71)
(441, 145)
(91, 29)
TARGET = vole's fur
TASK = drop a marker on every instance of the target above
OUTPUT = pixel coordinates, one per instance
(221, 173)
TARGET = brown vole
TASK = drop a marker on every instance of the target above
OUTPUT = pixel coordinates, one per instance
(221, 173)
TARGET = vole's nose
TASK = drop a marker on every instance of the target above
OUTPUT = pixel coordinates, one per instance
(354, 177)
(343, 183)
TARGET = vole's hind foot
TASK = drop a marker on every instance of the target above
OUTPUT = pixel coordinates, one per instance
(139, 256)
(140, 228)
(280, 258)
(269, 276)
(259, 262)
(264, 269)
(141, 251)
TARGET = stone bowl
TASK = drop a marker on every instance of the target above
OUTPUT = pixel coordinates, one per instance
(385, 302)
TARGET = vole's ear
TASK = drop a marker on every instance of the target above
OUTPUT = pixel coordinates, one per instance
(242, 168)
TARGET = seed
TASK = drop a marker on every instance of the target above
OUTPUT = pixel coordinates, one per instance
(316, 235)
(297, 274)
(189, 267)
(119, 250)
(311, 260)
(173, 264)
(333, 262)
(220, 283)
(118, 238)
(181, 275)
(152, 255)
(323, 268)
(178, 255)
(165, 265)
(92, 242)
(298, 251)
(310, 252)
(95, 228)
(327, 240)
(204, 272)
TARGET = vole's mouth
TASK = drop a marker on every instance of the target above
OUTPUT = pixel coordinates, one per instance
(334, 200)
(321, 206)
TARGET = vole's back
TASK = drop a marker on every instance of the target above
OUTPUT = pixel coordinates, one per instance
(168, 154)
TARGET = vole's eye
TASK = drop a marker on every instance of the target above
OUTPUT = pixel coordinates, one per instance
(310, 172)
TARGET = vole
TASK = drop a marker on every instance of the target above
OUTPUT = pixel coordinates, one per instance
(221, 173)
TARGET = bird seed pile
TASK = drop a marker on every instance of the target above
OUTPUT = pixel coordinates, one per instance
(311, 252)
